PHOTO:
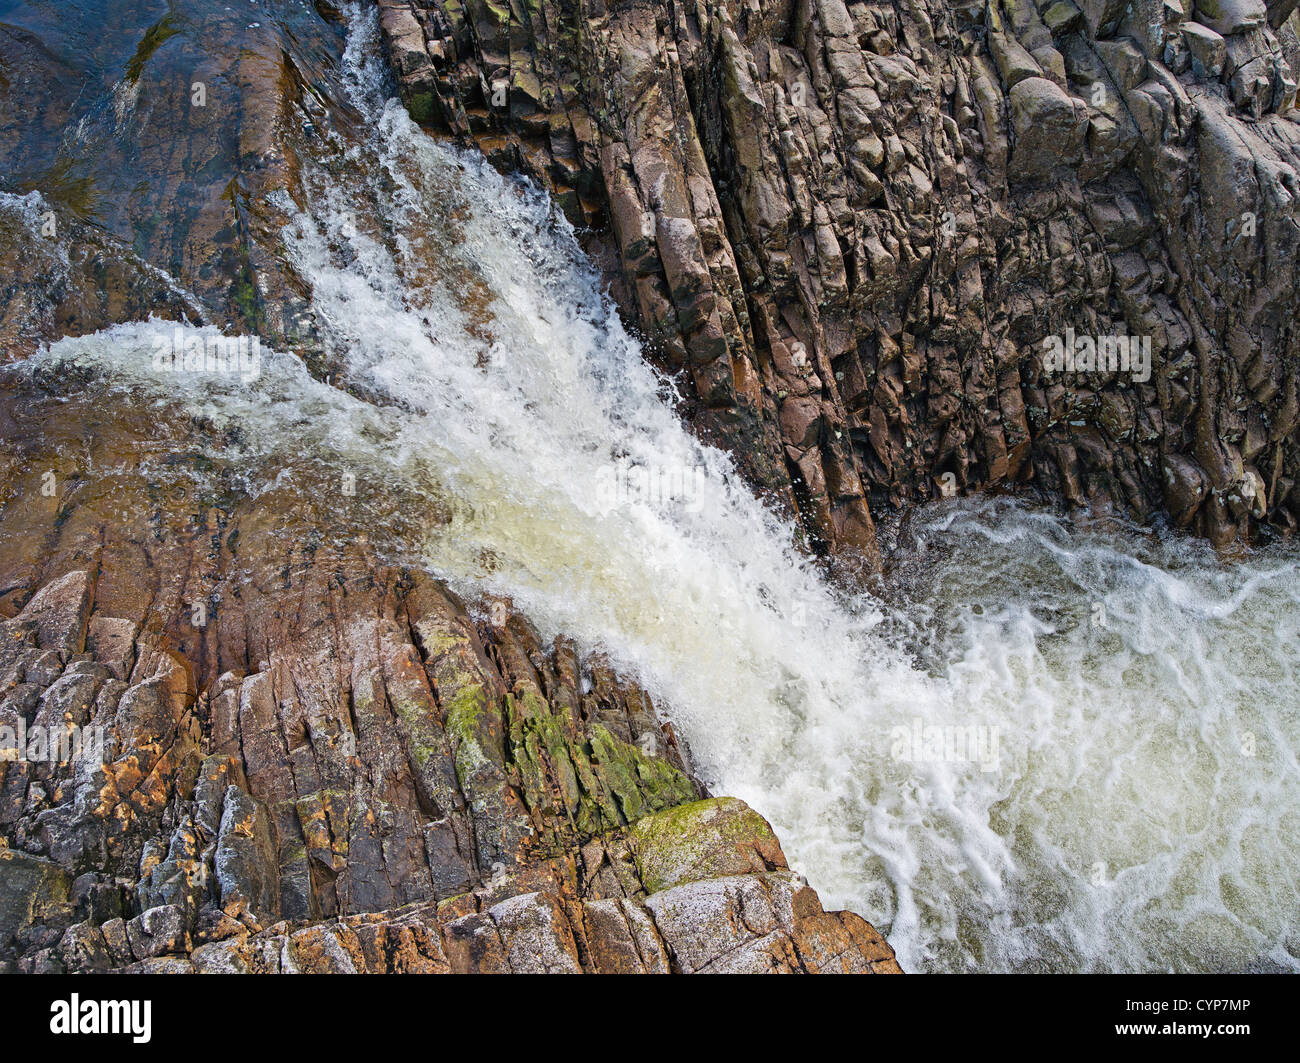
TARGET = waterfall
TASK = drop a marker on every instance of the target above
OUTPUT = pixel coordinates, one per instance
(1054, 748)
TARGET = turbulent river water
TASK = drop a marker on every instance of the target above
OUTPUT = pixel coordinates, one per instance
(1051, 748)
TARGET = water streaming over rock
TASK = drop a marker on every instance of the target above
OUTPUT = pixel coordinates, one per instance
(1054, 749)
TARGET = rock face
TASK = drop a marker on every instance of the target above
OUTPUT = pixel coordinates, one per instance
(853, 227)
(444, 802)
(389, 791)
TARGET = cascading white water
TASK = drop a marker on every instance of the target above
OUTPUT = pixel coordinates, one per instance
(1104, 813)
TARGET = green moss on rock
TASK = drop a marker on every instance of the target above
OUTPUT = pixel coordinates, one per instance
(705, 839)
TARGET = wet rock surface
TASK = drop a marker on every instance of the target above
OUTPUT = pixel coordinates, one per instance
(851, 228)
(162, 134)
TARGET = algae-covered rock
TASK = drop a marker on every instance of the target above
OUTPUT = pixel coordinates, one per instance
(704, 839)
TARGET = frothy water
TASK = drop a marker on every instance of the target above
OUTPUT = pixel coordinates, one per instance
(1057, 749)
(1148, 703)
